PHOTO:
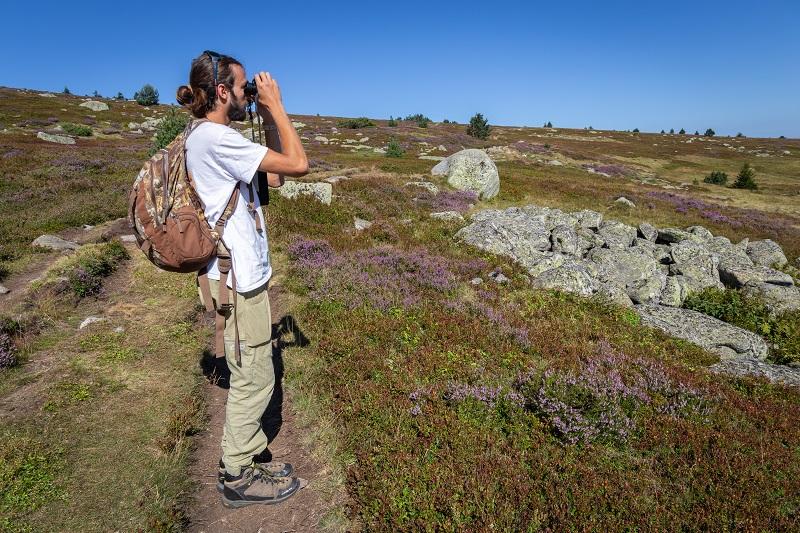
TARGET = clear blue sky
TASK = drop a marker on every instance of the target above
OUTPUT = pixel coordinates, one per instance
(729, 65)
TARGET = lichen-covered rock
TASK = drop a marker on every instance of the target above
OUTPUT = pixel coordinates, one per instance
(322, 192)
(569, 277)
(59, 139)
(737, 276)
(777, 298)
(766, 253)
(551, 218)
(427, 185)
(54, 242)
(614, 294)
(448, 215)
(729, 342)
(636, 272)
(696, 263)
(616, 234)
(676, 289)
(587, 240)
(588, 219)
(670, 235)
(701, 232)
(564, 240)
(659, 252)
(511, 233)
(648, 231)
(781, 374)
(543, 262)
(470, 170)
(95, 105)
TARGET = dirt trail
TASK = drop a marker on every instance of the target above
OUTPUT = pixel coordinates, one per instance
(304, 510)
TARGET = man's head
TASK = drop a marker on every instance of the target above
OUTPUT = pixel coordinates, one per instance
(216, 85)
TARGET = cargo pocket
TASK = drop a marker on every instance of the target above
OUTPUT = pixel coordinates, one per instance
(255, 320)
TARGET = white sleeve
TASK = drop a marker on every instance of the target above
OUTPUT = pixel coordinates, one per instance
(238, 156)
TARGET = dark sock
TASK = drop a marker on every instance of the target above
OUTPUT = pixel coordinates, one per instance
(264, 457)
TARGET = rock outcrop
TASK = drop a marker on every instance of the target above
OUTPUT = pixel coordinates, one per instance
(470, 170)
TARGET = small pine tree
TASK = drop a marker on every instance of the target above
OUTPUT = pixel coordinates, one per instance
(716, 178)
(663, 132)
(147, 95)
(120, 96)
(548, 125)
(682, 132)
(174, 122)
(696, 132)
(96, 94)
(394, 149)
(392, 122)
(739, 134)
(672, 131)
(635, 130)
(66, 90)
(478, 127)
(590, 128)
(709, 133)
(746, 178)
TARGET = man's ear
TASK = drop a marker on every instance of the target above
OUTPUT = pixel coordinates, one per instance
(222, 91)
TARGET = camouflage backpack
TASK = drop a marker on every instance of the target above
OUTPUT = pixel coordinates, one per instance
(169, 222)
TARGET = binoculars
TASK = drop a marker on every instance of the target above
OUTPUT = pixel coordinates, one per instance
(250, 90)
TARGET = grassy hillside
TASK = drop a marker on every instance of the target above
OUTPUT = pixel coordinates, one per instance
(453, 406)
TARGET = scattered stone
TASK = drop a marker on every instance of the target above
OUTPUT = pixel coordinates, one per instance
(322, 139)
(298, 125)
(470, 170)
(361, 224)
(90, 320)
(95, 106)
(127, 238)
(781, 374)
(555, 163)
(54, 242)
(432, 158)
(448, 215)
(476, 281)
(719, 337)
(766, 253)
(87, 227)
(648, 231)
(4, 289)
(624, 202)
(119, 329)
(321, 192)
(47, 95)
(431, 187)
(60, 139)
(499, 277)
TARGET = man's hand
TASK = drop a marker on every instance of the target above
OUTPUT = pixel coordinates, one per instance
(269, 94)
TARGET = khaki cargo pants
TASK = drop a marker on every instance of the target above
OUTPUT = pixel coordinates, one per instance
(251, 385)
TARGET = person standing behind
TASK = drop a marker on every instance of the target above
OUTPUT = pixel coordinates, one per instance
(219, 158)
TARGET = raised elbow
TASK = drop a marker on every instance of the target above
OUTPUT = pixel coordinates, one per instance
(301, 169)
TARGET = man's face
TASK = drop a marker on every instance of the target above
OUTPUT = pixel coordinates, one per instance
(238, 101)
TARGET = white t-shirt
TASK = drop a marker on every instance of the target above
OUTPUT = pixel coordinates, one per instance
(219, 157)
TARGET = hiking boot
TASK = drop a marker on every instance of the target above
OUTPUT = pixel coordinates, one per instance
(252, 487)
(269, 468)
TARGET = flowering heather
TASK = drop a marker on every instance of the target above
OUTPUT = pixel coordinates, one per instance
(8, 353)
(460, 201)
(611, 170)
(84, 284)
(602, 401)
(533, 148)
(739, 217)
(382, 276)
(459, 392)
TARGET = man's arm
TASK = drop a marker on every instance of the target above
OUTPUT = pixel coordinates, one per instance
(273, 139)
(291, 159)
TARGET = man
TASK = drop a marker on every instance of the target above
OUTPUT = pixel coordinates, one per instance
(219, 159)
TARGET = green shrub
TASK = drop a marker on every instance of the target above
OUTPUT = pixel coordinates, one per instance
(696, 132)
(392, 122)
(66, 90)
(746, 178)
(478, 127)
(147, 95)
(120, 96)
(421, 120)
(716, 178)
(173, 123)
(740, 134)
(672, 131)
(394, 149)
(85, 279)
(76, 129)
(635, 130)
(356, 123)
(782, 331)
(709, 133)
(682, 132)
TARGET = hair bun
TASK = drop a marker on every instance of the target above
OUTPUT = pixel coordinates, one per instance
(185, 95)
